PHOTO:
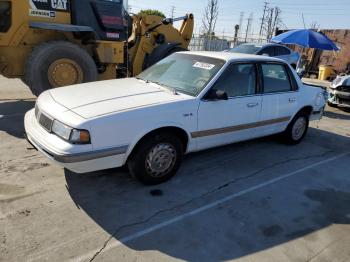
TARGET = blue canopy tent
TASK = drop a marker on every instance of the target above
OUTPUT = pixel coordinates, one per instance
(306, 38)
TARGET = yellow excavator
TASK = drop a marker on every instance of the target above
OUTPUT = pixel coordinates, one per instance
(54, 43)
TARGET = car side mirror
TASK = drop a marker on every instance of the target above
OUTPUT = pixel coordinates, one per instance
(265, 54)
(214, 94)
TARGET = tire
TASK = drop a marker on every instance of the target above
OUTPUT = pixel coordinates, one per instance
(149, 150)
(158, 55)
(50, 54)
(291, 136)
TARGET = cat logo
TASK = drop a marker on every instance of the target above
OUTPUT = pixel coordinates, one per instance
(59, 4)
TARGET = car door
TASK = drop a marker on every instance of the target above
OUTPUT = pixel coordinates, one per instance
(225, 121)
(280, 97)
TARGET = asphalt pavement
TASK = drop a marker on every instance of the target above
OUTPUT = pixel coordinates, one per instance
(253, 201)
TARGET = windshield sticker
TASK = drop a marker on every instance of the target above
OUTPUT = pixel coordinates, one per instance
(205, 66)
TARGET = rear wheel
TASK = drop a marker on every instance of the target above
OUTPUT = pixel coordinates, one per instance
(156, 159)
(297, 129)
(58, 63)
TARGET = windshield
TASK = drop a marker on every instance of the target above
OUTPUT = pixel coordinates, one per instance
(184, 73)
(245, 49)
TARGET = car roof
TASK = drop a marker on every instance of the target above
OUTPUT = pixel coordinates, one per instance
(265, 44)
(234, 57)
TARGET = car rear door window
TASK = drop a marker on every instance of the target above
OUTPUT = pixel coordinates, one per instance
(280, 50)
(275, 78)
(238, 80)
(269, 50)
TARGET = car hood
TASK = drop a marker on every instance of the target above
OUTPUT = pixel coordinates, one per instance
(99, 98)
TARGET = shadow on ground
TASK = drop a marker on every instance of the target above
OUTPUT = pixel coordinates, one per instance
(338, 114)
(258, 221)
(12, 116)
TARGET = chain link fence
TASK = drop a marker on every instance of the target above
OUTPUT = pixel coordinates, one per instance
(207, 43)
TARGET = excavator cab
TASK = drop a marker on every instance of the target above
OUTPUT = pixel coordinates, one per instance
(106, 18)
(5, 16)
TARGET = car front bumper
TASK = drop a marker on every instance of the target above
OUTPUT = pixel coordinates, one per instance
(77, 158)
(339, 98)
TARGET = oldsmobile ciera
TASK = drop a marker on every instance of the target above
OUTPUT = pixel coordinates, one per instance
(187, 102)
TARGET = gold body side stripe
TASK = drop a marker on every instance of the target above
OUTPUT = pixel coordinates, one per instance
(230, 129)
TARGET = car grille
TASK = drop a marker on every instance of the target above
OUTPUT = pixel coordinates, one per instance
(344, 102)
(44, 120)
(344, 88)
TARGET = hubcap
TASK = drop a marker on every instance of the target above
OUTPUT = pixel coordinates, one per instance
(299, 128)
(160, 160)
(64, 72)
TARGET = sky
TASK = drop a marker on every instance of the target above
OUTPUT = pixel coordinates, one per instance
(334, 14)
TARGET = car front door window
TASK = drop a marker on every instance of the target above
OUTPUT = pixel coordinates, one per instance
(238, 80)
(225, 121)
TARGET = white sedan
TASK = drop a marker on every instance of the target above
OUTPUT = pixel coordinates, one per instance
(187, 102)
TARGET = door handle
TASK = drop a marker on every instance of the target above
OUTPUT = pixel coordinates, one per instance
(252, 104)
(292, 100)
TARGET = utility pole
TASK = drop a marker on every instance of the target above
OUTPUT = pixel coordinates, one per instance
(249, 26)
(263, 18)
(172, 11)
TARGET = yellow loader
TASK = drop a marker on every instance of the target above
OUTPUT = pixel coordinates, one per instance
(54, 43)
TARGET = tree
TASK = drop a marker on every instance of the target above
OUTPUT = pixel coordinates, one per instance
(315, 26)
(272, 21)
(210, 17)
(151, 12)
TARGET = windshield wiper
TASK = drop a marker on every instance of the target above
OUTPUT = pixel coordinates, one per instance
(165, 86)
(139, 78)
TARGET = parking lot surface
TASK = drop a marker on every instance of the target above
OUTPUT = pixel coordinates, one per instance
(254, 201)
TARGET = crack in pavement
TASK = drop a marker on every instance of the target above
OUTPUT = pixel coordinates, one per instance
(30, 157)
(216, 189)
(322, 250)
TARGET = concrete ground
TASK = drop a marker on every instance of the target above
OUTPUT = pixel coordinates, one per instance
(253, 201)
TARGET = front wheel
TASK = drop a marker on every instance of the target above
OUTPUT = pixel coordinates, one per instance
(58, 63)
(156, 159)
(297, 129)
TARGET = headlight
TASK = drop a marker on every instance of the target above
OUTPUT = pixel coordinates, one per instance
(61, 130)
(75, 136)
